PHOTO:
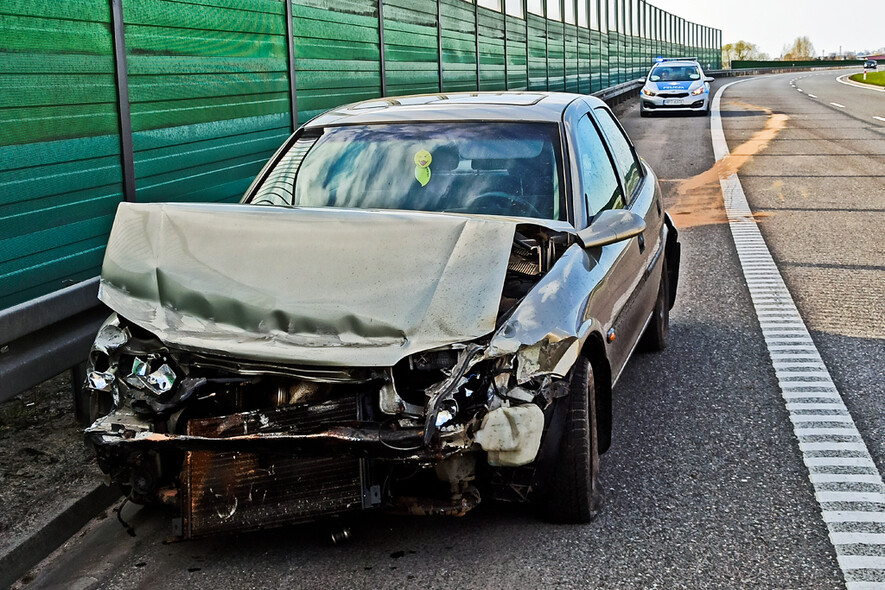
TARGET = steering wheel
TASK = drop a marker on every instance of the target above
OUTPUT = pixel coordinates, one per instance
(511, 201)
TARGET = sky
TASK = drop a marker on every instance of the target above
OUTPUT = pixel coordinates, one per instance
(771, 24)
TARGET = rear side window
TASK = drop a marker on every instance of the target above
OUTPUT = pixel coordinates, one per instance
(601, 188)
(627, 163)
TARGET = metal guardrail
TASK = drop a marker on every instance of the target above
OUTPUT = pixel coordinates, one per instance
(43, 337)
(48, 335)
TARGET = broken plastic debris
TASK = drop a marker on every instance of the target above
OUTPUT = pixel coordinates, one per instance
(162, 379)
(139, 367)
(100, 381)
(110, 338)
(443, 417)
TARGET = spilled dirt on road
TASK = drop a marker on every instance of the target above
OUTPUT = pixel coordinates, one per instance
(698, 200)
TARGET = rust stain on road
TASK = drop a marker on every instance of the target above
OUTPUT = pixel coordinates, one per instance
(698, 200)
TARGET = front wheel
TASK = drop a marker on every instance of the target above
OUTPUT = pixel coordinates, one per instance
(654, 339)
(572, 495)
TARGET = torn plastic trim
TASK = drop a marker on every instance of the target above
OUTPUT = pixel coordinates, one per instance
(446, 389)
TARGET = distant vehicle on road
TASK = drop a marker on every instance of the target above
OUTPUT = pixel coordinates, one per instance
(870, 64)
(416, 303)
(675, 84)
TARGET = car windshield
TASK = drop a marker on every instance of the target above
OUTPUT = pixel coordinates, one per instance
(674, 74)
(484, 168)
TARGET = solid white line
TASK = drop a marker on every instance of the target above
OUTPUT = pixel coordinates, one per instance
(843, 79)
(836, 104)
(858, 562)
(746, 234)
(853, 497)
(858, 538)
(852, 585)
(850, 516)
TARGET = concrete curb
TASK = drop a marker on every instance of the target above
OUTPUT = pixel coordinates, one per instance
(53, 535)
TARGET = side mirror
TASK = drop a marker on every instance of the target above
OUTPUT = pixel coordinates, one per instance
(613, 225)
(709, 79)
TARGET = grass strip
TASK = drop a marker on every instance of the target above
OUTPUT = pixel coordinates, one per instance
(873, 78)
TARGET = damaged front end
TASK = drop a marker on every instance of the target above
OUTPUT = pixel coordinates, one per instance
(238, 444)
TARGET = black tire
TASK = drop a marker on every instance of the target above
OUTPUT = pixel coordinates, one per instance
(572, 494)
(643, 113)
(654, 339)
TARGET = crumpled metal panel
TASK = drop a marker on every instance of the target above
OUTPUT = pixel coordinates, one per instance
(314, 286)
(549, 327)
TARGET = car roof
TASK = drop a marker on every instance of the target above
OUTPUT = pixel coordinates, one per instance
(525, 106)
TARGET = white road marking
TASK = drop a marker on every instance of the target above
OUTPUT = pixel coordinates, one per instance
(880, 118)
(812, 95)
(827, 435)
(836, 104)
(843, 79)
(800, 90)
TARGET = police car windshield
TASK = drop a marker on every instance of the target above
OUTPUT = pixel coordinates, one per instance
(674, 74)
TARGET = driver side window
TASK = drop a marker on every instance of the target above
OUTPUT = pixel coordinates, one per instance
(598, 179)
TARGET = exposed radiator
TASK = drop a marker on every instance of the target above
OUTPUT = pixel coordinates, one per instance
(231, 492)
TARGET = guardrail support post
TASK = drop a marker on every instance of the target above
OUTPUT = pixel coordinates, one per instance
(127, 155)
(290, 47)
(383, 60)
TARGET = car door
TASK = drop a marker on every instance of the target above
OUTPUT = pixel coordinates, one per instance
(611, 177)
(644, 253)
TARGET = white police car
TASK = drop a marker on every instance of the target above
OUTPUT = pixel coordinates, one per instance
(675, 84)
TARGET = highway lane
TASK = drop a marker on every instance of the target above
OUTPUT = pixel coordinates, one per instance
(867, 104)
(705, 484)
(820, 188)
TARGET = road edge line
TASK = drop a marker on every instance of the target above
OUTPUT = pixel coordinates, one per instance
(766, 286)
(841, 79)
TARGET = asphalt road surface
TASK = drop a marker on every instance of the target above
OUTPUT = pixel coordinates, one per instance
(705, 483)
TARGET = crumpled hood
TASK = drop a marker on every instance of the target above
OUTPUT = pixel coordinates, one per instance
(305, 286)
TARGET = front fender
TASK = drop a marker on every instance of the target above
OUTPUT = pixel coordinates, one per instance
(549, 327)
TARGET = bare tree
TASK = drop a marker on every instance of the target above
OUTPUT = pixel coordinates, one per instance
(740, 50)
(800, 49)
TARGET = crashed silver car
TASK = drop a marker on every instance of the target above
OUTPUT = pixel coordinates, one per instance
(420, 302)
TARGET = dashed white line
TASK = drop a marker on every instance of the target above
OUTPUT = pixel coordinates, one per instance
(836, 104)
(880, 118)
(847, 484)
(811, 95)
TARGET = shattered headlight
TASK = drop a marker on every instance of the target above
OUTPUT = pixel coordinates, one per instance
(158, 382)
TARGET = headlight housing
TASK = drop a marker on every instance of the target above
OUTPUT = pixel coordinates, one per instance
(698, 91)
(648, 92)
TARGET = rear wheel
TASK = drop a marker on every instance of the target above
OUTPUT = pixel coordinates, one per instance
(655, 337)
(572, 494)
